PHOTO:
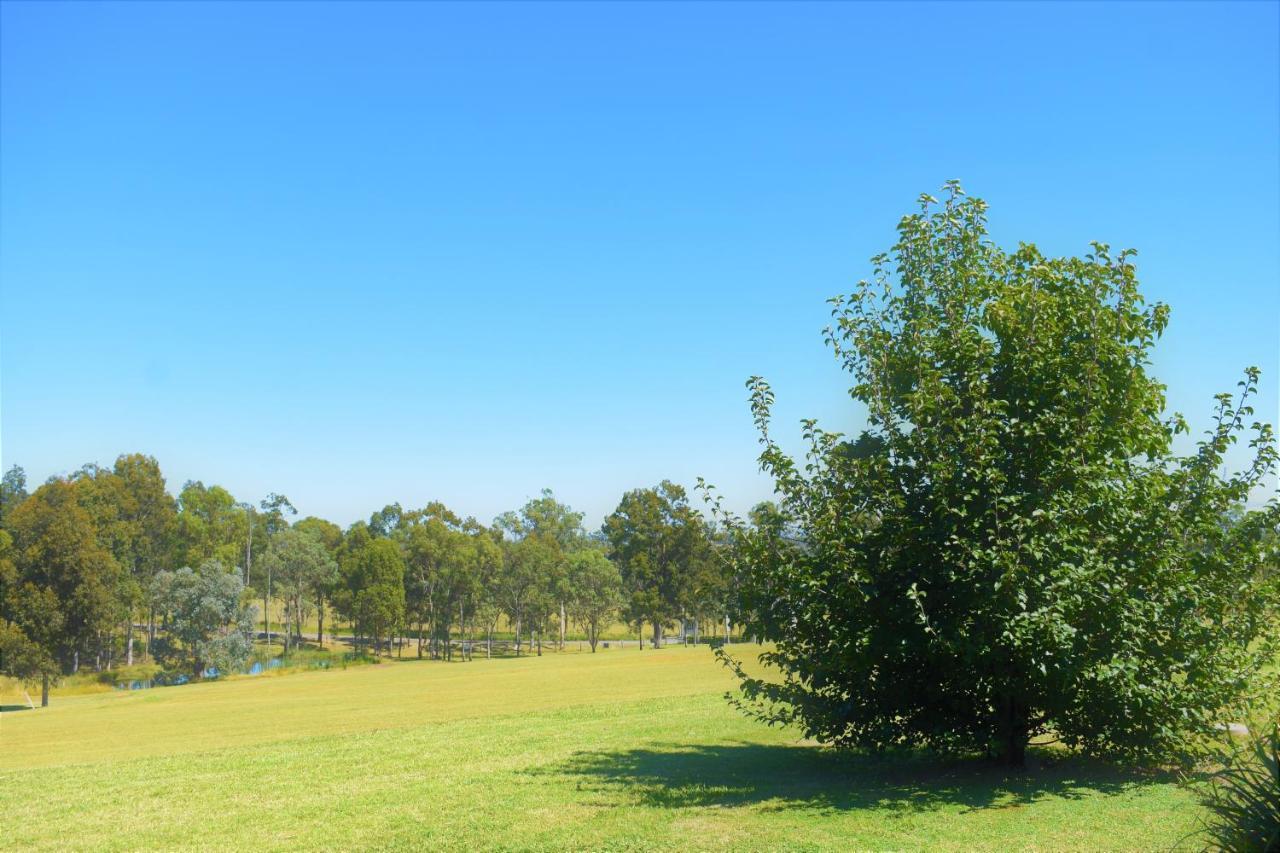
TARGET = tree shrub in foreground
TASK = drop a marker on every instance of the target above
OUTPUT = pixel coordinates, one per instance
(1012, 547)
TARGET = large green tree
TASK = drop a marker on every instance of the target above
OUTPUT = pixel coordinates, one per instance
(437, 578)
(595, 591)
(557, 524)
(522, 588)
(207, 621)
(660, 545)
(30, 625)
(151, 512)
(302, 569)
(211, 524)
(330, 535)
(373, 577)
(58, 556)
(1012, 547)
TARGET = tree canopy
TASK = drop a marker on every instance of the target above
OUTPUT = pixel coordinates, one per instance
(1012, 546)
(661, 546)
(208, 624)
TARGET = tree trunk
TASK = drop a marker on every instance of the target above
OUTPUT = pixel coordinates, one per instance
(151, 632)
(562, 626)
(657, 634)
(1015, 732)
(517, 636)
(44, 691)
(129, 644)
(431, 621)
(320, 620)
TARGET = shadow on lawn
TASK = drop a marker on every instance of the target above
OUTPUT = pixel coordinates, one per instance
(797, 776)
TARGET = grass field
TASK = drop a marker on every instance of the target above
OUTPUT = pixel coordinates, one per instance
(620, 750)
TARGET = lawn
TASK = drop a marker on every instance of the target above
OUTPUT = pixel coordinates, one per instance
(620, 750)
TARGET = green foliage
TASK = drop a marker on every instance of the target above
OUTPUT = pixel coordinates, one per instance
(68, 580)
(525, 590)
(1244, 798)
(30, 623)
(207, 623)
(302, 570)
(13, 491)
(546, 517)
(21, 658)
(661, 546)
(595, 591)
(211, 525)
(373, 580)
(442, 577)
(1012, 547)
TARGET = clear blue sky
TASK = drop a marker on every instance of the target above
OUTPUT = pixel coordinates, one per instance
(366, 253)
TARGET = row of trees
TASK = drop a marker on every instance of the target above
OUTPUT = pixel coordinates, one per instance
(93, 564)
(435, 574)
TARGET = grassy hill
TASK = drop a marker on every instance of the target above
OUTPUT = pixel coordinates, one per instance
(619, 750)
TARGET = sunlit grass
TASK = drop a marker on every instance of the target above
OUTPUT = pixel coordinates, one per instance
(620, 750)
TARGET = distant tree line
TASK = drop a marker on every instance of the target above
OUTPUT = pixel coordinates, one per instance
(105, 567)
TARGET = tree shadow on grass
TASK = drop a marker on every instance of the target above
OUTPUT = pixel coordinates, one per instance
(786, 776)
(8, 709)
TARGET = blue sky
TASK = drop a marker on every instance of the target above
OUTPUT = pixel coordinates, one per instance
(359, 254)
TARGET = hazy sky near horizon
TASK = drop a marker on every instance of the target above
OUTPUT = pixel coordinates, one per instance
(370, 253)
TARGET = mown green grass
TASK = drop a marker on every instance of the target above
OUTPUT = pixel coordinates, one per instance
(620, 750)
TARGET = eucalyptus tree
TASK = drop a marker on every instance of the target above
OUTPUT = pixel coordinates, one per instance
(330, 536)
(596, 591)
(521, 588)
(59, 558)
(1012, 547)
(658, 542)
(386, 521)
(208, 623)
(433, 549)
(262, 527)
(555, 523)
(13, 491)
(487, 543)
(302, 568)
(479, 560)
(354, 540)
(374, 574)
(135, 519)
(24, 660)
(111, 510)
(153, 514)
(210, 524)
(30, 625)
(548, 566)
